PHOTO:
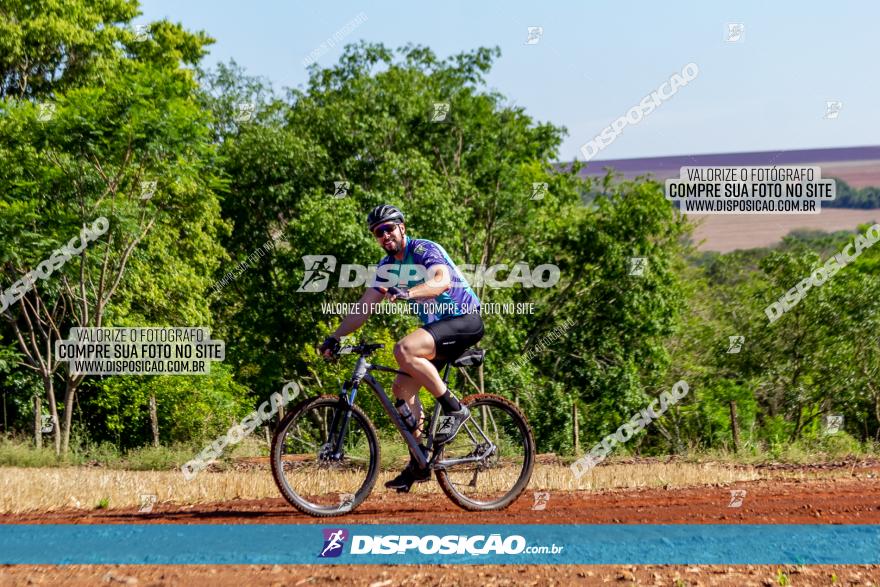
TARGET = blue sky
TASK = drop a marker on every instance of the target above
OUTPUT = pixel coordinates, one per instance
(596, 60)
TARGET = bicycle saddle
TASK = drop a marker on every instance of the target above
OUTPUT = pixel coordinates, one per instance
(470, 358)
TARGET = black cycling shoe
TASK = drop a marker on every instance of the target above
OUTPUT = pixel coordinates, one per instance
(411, 474)
(450, 424)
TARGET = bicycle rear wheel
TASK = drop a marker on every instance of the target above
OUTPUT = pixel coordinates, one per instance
(500, 439)
(311, 475)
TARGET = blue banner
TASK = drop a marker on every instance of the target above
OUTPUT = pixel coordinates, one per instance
(329, 543)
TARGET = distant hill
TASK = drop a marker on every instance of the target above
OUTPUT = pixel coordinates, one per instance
(858, 166)
(728, 232)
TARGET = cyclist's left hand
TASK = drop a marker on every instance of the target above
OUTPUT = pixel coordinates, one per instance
(396, 293)
(329, 347)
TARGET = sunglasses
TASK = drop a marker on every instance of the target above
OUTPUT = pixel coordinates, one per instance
(383, 230)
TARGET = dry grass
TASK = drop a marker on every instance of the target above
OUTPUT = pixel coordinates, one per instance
(23, 490)
(47, 489)
(653, 475)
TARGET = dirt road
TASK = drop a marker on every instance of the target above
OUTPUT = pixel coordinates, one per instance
(851, 499)
(445, 576)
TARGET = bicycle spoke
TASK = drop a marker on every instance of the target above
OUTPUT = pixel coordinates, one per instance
(313, 445)
(497, 437)
(311, 471)
(473, 481)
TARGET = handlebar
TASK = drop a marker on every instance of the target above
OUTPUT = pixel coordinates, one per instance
(364, 349)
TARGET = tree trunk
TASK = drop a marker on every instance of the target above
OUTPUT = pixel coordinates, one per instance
(877, 414)
(733, 426)
(69, 394)
(38, 421)
(877, 411)
(575, 430)
(154, 420)
(49, 384)
(798, 424)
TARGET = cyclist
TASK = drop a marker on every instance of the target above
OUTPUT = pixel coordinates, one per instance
(419, 269)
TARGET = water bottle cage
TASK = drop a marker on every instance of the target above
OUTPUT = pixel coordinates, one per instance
(406, 416)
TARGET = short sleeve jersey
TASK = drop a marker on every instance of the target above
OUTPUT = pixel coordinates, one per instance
(420, 256)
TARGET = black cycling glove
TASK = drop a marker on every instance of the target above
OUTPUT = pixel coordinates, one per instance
(330, 343)
(402, 294)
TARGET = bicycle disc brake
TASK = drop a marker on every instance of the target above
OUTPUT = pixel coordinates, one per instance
(326, 456)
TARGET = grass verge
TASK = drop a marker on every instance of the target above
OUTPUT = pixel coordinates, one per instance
(89, 488)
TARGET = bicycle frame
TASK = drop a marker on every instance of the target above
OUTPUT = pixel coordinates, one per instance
(348, 392)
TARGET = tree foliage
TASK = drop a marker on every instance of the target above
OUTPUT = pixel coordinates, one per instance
(93, 110)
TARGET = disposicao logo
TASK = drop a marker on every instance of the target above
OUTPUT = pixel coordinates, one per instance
(473, 545)
(334, 540)
(480, 545)
(319, 268)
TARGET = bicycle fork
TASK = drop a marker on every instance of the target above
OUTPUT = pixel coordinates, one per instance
(343, 416)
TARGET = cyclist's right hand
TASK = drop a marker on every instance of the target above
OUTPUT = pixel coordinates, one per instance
(397, 293)
(329, 347)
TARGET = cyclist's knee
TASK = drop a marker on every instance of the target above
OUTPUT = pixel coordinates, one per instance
(402, 350)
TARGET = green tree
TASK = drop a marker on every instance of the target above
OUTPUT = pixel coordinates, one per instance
(465, 182)
(192, 408)
(120, 118)
(615, 360)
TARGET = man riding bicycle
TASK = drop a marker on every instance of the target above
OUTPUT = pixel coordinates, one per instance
(419, 269)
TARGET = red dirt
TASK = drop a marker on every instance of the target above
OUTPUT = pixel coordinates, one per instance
(441, 575)
(852, 499)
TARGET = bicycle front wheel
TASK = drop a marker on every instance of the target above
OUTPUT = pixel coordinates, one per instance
(325, 457)
(489, 462)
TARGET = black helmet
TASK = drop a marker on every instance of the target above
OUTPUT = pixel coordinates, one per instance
(383, 213)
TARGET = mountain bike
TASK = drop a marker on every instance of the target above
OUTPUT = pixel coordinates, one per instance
(326, 455)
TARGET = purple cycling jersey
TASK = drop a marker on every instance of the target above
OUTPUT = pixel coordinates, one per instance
(420, 256)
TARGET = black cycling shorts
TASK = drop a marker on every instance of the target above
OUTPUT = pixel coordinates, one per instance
(453, 336)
